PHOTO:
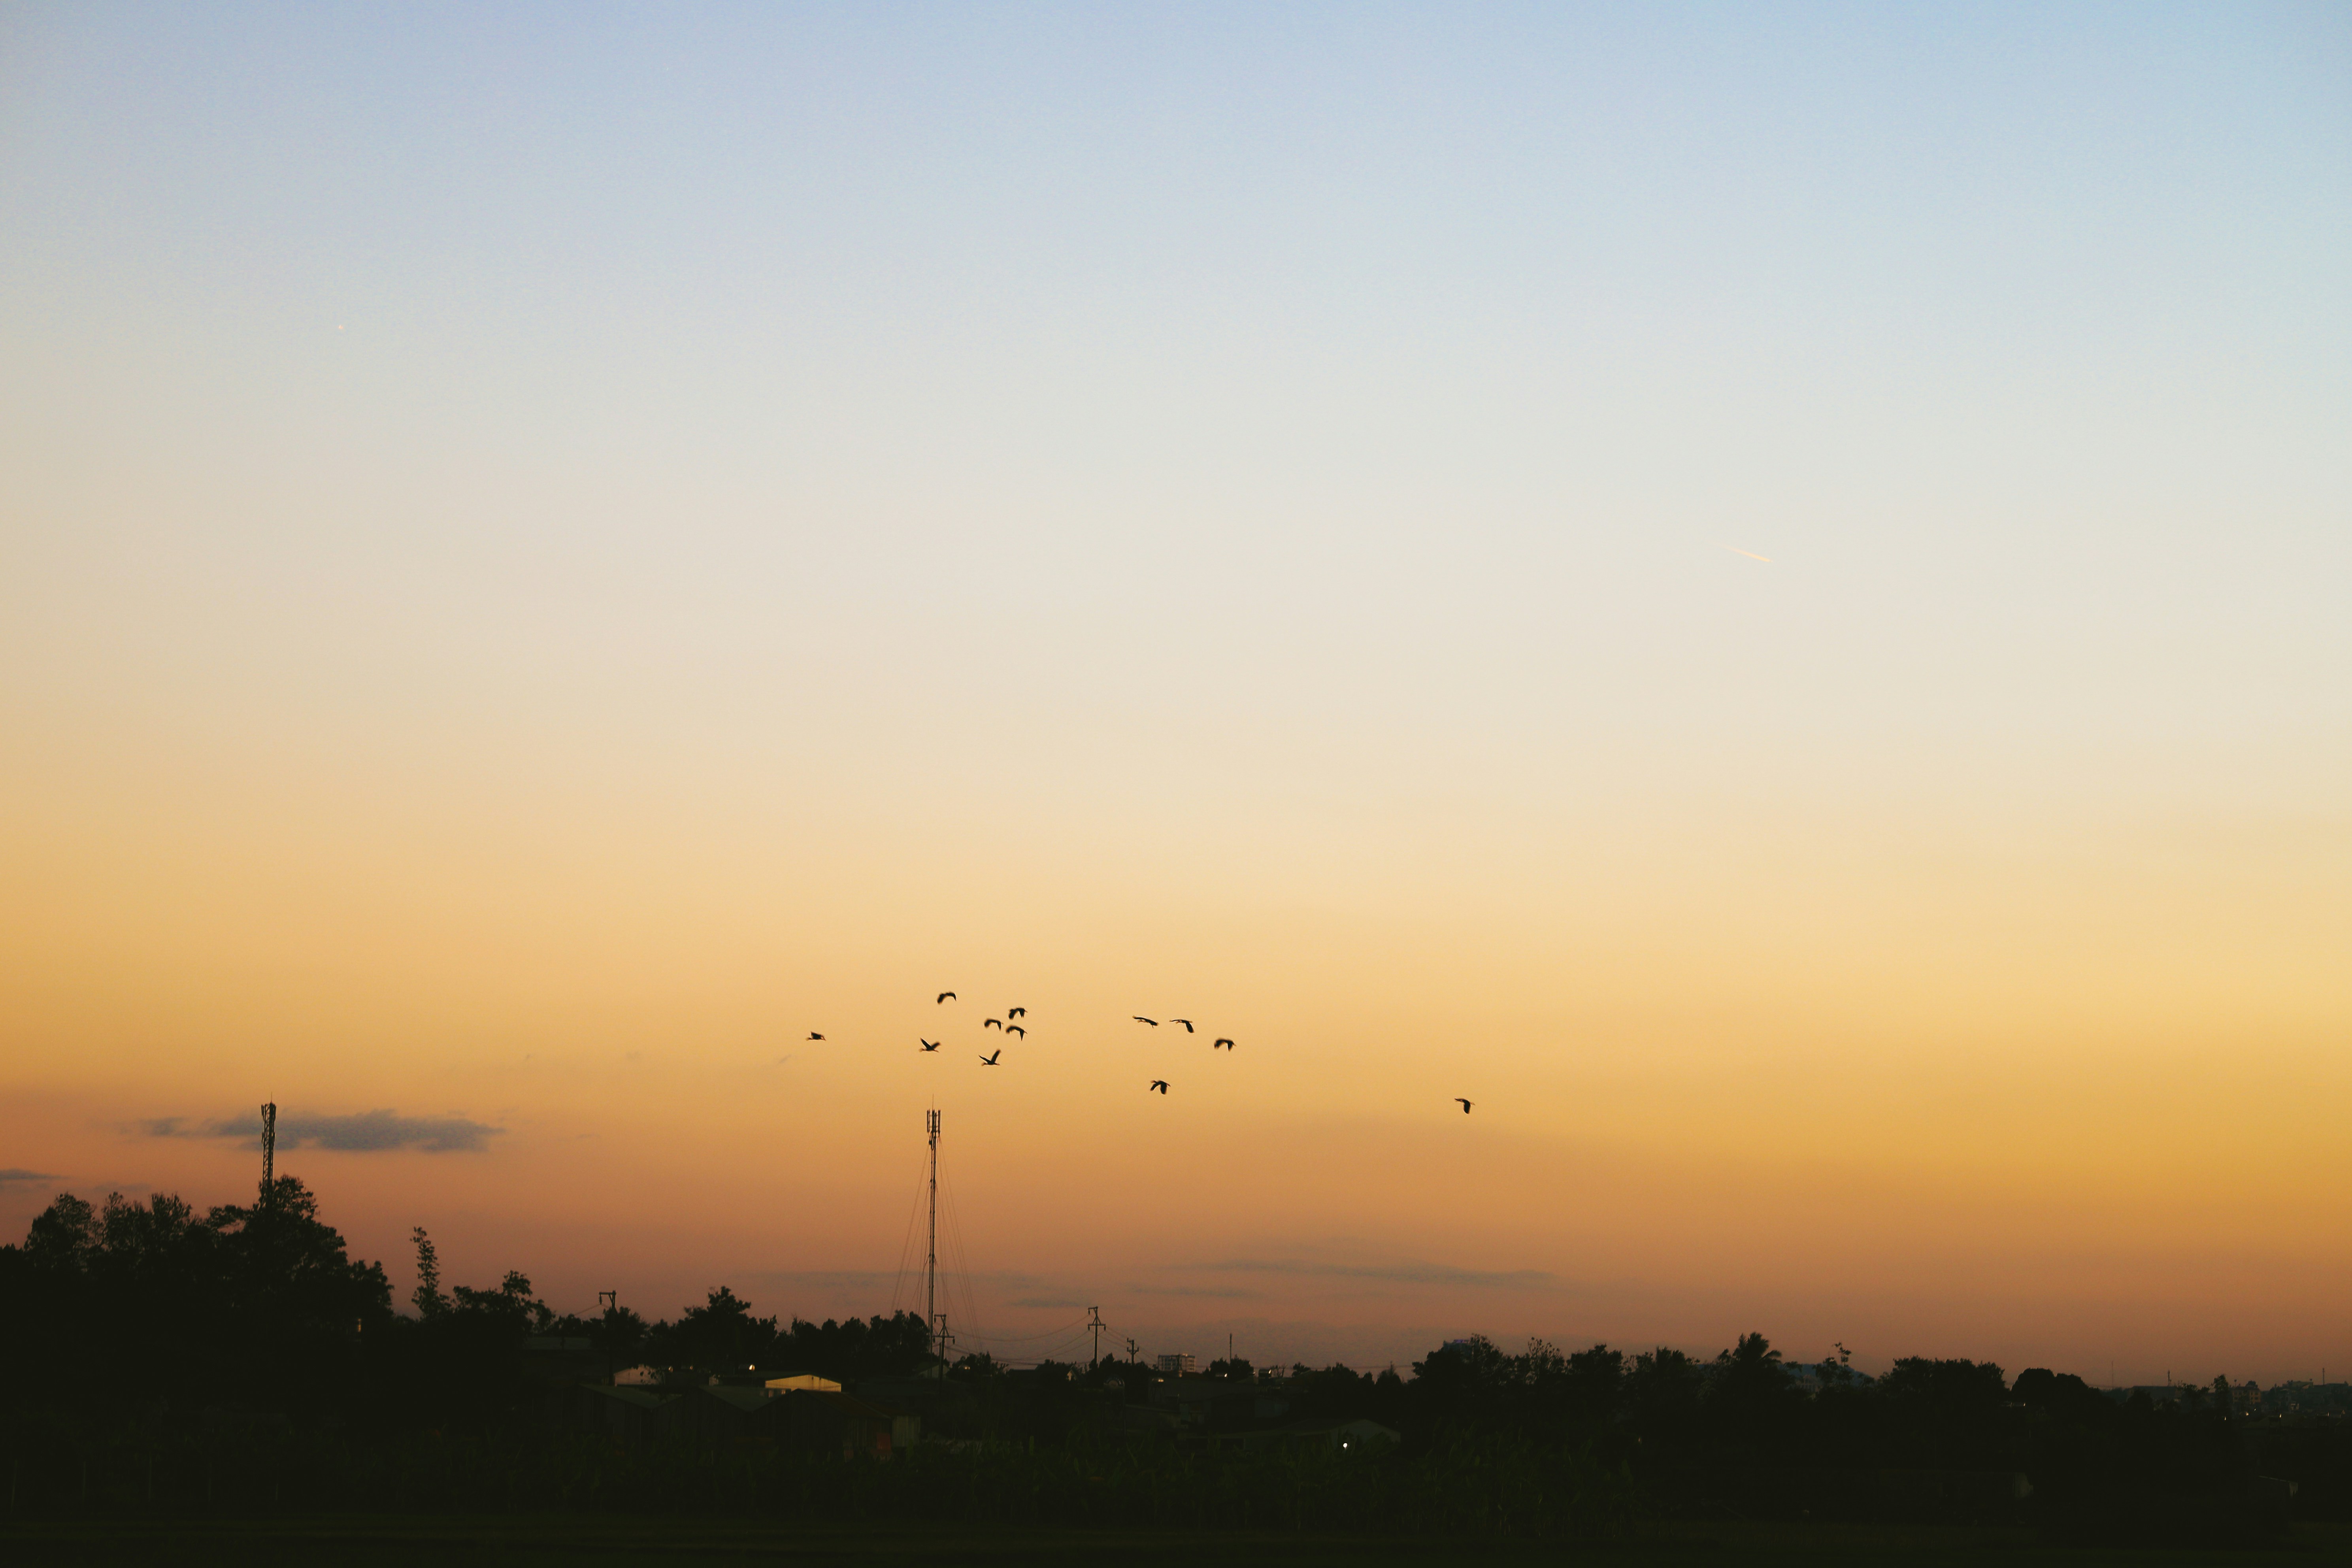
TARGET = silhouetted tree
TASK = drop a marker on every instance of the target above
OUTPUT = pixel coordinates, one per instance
(426, 1298)
(721, 1334)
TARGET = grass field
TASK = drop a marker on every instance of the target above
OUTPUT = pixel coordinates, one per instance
(464, 1543)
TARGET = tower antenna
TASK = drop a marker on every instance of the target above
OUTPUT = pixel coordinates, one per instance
(268, 1149)
(931, 1249)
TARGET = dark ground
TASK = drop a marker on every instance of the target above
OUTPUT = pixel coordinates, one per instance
(462, 1543)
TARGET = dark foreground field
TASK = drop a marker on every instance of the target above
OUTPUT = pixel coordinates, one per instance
(460, 1542)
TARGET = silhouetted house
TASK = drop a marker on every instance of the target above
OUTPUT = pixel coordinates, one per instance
(720, 1417)
(828, 1421)
(950, 1407)
(633, 1417)
(1139, 1421)
(814, 1419)
(1220, 1402)
(557, 1359)
(1340, 1437)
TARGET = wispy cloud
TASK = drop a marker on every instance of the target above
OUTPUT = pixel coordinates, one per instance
(818, 1278)
(14, 1174)
(362, 1132)
(1406, 1273)
(1220, 1292)
(1069, 1303)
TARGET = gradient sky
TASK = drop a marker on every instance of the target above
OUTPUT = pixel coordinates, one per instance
(546, 554)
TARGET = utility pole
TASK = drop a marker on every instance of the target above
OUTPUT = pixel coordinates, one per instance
(608, 1300)
(268, 1149)
(1094, 1326)
(931, 1318)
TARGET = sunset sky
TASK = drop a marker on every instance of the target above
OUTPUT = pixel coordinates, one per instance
(1766, 593)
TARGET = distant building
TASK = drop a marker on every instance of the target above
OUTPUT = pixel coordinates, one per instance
(801, 1382)
(1177, 1366)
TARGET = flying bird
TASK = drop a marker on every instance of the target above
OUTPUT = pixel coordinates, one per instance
(989, 1059)
(992, 1024)
(1186, 1022)
(1225, 1043)
(930, 1045)
(1159, 1085)
(945, 996)
(1141, 1019)
(1463, 1103)
(1016, 1011)
(815, 1035)
(1016, 1029)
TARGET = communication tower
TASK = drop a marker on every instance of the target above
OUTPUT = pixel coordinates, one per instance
(931, 1316)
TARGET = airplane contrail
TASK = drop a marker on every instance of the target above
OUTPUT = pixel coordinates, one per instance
(1749, 554)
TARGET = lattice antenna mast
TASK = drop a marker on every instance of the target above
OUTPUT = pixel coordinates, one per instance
(931, 1318)
(269, 1148)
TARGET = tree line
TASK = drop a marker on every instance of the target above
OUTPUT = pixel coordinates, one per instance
(147, 1316)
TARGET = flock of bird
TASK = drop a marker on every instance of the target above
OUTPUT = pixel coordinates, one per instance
(1008, 1028)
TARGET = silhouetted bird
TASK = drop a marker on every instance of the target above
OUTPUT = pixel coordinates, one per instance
(1186, 1022)
(1016, 1011)
(992, 1024)
(1216, 1044)
(1161, 1084)
(1464, 1103)
(989, 1059)
(930, 1045)
(815, 1035)
(1016, 1029)
(945, 996)
(1141, 1019)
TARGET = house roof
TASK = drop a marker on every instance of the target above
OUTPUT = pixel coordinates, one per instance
(644, 1398)
(741, 1398)
(809, 1381)
(1360, 1427)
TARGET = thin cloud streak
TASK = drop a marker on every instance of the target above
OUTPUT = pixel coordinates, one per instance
(14, 1174)
(362, 1132)
(820, 1279)
(1401, 1273)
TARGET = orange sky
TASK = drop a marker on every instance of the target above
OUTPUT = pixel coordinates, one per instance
(514, 615)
